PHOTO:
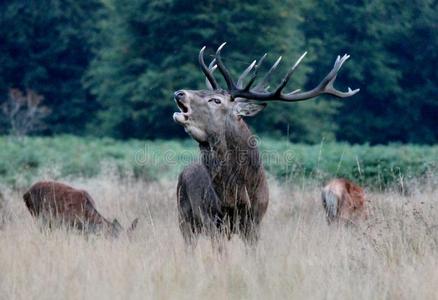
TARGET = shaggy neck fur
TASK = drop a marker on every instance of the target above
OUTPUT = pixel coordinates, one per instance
(233, 161)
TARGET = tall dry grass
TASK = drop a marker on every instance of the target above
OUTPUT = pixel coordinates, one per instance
(394, 255)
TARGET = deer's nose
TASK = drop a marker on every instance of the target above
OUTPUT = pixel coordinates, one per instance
(179, 95)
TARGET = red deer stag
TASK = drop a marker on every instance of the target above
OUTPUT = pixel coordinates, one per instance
(343, 200)
(227, 189)
(55, 201)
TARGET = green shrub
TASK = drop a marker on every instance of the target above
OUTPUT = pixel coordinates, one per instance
(30, 159)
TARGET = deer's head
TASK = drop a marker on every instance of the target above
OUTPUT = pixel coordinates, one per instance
(204, 113)
(116, 229)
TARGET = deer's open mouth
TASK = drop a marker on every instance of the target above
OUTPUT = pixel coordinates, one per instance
(183, 116)
(182, 106)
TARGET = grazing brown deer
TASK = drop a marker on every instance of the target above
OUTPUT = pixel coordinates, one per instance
(344, 201)
(58, 202)
(227, 190)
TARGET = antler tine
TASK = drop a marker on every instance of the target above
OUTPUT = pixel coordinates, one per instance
(244, 74)
(289, 74)
(211, 67)
(254, 75)
(207, 71)
(261, 60)
(261, 85)
(225, 73)
(256, 69)
(255, 65)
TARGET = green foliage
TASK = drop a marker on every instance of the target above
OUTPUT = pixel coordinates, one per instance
(393, 45)
(376, 166)
(24, 161)
(45, 47)
(110, 67)
(148, 50)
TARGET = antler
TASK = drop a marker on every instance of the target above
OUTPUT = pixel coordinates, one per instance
(208, 71)
(211, 67)
(260, 91)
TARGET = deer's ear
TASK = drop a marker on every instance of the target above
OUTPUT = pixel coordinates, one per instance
(116, 224)
(248, 109)
(133, 224)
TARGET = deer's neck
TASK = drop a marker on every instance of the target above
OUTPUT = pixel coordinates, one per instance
(232, 158)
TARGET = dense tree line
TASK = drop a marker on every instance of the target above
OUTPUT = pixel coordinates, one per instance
(109, 67)
(394, 47)
(45, 46)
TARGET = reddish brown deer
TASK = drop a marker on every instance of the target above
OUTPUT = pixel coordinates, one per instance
(344, 201)
(59, 203)
(227, 189)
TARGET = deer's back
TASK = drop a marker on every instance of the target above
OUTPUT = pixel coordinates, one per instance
(351, 198)
(61, 201)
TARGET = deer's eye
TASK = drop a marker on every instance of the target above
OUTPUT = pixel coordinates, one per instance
(216, 100)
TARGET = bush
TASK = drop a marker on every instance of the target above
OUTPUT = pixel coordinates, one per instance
(377, 166)
(36, 158)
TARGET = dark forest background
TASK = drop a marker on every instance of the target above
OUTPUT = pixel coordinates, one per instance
(109, 68)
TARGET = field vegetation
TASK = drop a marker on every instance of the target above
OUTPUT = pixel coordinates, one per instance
(391, 256)
(86, 98)
(21, 161)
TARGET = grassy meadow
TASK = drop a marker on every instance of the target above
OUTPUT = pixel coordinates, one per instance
(393, 255)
